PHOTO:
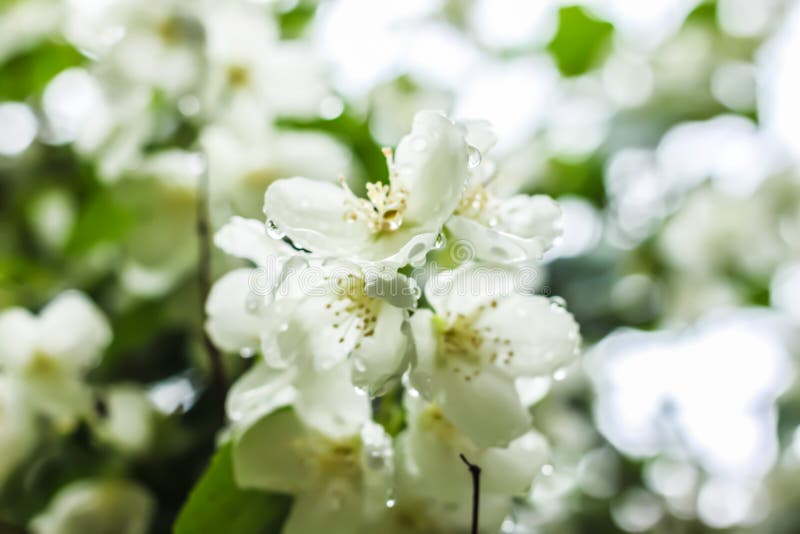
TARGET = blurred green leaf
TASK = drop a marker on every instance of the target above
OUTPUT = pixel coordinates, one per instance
(103, 220)
(579, 41)
(217, 504)
(27, 74)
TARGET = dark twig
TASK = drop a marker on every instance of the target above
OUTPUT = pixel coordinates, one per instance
(218, 382)
(475, 471)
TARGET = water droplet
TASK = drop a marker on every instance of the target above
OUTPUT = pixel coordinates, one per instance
(493, 221)
(560, 374)
(273, 231)
(419, 143)
(283, 327)
(558, 301)
(440, 241)
(474, 157)
(247, 352)
(547, 470)
(252, 303)
(390, 503)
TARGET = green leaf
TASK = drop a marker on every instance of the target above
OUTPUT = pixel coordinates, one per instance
(217, 504)
(29, 72)
(580, 40)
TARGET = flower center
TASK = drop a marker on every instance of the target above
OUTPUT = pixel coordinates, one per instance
(385, 205)
(353, 308)
(479, 204)
(465, 347)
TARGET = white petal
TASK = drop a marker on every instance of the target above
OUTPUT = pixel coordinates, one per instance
(531, 217)
(18, 333)
(235, 312)
(328, 402)
(74, 329)
(259, 391)
(464, 289)
(395, 288)
(511, 470)
(408, 245)
(433, 446)
(432, 165)
(490, 244)
(248, 239)
(485, 408)
(383, 357)
(312, 215)
(480, 135)
(269, 454)
(425, 341)
(314, 512)
(315, 331)
(541, 336)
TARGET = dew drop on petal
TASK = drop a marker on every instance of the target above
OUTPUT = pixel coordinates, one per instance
(390, 502)
(440, 241)
(559, 374)
(474, 157)
(558, 301)
(252, 303)
(547, 470)
(247, 352)
(273, 231)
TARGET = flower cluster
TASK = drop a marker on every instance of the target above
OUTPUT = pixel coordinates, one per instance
(346, 327)
(45, 394)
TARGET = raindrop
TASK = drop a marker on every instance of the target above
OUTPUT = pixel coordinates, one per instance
(390, 502)
(440, 241)
(273, 231)
(247, 352)
(560, 374)
(558, 301)
(474, 157)
(252, 303)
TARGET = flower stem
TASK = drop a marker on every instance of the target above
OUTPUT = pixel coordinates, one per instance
(475, 471)
(217, 382)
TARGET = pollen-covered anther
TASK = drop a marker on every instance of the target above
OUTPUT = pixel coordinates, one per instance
(385, 205)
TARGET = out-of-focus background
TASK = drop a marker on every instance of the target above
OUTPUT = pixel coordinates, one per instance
(669, 131)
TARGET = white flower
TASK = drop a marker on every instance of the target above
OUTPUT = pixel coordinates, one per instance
(503, 230)
(298, 310)
(148, 45)
(323, 449)
(17, 430)
(97, 506)
(49, 354)
(242, 164)
(252, 72)
(433, 491)
(474, 344)
(127, 420)
(398, 222)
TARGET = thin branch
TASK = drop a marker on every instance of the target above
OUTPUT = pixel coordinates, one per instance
(475, 471)
(218, 381)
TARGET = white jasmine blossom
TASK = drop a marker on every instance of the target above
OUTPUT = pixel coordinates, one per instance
(516, 229)
(324, 450)
(50, 353)
(471, 347)
(97, 506)
(399, 221)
